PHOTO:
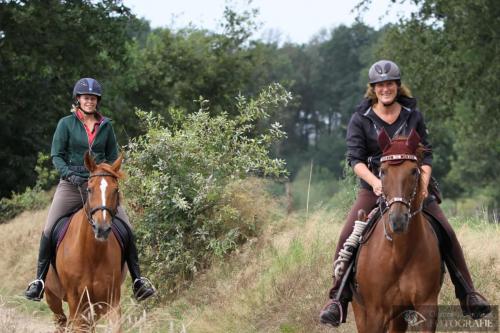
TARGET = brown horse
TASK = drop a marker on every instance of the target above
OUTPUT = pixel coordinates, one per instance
(88, 260)
(398, 272)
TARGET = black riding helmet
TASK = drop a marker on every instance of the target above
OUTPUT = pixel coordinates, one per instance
(87, 86)
(384, 70)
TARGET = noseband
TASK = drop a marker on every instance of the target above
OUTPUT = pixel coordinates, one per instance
(407, 202)
(91, 211)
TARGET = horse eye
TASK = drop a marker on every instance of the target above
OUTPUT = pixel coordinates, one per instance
(89, 190)
(382, 173)
(414, 172)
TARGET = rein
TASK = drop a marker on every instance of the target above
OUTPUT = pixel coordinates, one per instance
(407, 202)
(89, 212)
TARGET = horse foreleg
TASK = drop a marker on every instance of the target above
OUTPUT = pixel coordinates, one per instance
(359, 316)
(429, 313)
(398, 325)
(80, 314)
(368, 320)
(55, 304)
(375, 321)
(114, 316)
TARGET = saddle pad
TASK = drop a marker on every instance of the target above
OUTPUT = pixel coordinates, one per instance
(375, 217)
(62, 225)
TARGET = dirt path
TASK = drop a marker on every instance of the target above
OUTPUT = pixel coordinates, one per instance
(13, 321)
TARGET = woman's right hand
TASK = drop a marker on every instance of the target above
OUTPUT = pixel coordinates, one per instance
(377, 187)
(362, 171)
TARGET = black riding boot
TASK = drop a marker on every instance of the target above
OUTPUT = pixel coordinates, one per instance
(35, 289)
(334, 312)
(142, 287)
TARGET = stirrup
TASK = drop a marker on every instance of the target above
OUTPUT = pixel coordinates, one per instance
(142, 292)
(38, 297)
(327, 317)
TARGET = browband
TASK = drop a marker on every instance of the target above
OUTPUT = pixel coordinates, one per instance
(399, 157)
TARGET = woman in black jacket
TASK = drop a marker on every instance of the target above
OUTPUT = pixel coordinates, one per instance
(388, 105)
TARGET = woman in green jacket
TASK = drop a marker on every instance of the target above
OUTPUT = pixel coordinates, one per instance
(85, 129)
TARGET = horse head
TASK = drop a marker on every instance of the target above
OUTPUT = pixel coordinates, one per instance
(400, 176)
(102, 195)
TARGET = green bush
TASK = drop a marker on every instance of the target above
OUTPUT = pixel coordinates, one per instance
(178, 183)
(31, 198)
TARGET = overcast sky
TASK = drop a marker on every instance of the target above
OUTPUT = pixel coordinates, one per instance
(295, 20)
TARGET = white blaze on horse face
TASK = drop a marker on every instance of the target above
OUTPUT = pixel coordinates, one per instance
(104, 186)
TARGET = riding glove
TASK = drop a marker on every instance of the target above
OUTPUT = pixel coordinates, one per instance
(77, 180)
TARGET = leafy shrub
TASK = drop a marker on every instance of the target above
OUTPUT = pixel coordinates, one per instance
(179, 184)
(31, 198)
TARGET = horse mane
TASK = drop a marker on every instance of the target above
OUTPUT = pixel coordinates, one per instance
(108, 168)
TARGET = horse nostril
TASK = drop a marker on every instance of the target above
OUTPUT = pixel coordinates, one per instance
(399, 222)
(102, 233)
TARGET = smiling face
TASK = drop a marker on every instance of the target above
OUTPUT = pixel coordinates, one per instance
(88, 103)
(386, 91)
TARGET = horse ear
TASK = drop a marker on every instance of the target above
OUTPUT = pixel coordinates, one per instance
(118, 163)
(89, 161)
(383, 139)
(413, 140)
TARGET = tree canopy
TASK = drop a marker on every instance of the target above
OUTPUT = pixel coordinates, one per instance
(45, 47)
(447, 50)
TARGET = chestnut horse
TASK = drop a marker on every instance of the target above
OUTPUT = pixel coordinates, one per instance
(89, 260)
(398, 271)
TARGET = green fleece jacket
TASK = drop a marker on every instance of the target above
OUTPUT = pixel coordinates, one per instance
(70, 144)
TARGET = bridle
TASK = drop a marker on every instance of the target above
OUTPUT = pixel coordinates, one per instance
(89, 211)
(387, 203)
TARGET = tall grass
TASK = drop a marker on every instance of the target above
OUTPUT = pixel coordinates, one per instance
(276, 282)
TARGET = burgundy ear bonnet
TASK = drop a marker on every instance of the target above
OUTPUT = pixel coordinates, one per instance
(397, 150)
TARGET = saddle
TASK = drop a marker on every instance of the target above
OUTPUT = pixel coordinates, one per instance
(118, 227)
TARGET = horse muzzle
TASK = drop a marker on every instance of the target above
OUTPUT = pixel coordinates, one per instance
(399, 222)
(101, 233)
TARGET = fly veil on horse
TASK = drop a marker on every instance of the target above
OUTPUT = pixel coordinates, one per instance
(399, 267)
(89, 264)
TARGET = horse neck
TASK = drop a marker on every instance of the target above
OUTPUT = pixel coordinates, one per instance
(405, 245)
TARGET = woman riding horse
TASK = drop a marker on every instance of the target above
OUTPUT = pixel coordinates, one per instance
(389, 105)
(85, 129)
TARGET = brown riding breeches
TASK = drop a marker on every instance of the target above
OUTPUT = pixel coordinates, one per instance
(451, 248)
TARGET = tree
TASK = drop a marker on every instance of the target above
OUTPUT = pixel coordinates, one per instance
(45, 47)
(328, 82)
(449, 53)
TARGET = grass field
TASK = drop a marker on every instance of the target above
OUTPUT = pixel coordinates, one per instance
(275, 283)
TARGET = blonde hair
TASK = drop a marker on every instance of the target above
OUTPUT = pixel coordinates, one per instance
(403, 90)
